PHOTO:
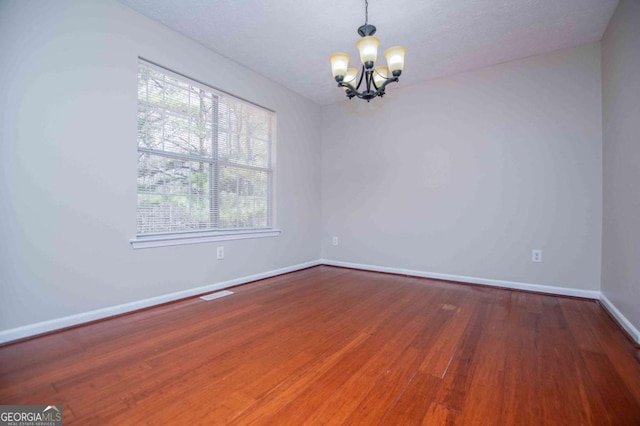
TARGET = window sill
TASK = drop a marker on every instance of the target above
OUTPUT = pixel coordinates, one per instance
(150, 241)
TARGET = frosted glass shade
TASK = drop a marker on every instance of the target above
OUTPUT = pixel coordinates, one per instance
(395, 58)
(380, 75)
(368, 48)
(350, 78)
(339, 64)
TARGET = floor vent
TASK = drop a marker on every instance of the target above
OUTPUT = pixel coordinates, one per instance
(216, 295)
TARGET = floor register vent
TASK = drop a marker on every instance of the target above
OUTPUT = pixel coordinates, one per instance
(216, 295)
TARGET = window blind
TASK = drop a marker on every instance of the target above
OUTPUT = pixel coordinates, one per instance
(204, 157)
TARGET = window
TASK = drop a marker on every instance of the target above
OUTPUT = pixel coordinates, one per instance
(204, 161)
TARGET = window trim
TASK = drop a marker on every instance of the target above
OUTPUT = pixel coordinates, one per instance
(178, 239)
(141, 241)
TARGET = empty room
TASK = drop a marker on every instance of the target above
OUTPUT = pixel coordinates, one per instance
(290, 212)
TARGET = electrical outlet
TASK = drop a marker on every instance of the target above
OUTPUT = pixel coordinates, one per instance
(536, 255)
(335, 241)
(220, 253)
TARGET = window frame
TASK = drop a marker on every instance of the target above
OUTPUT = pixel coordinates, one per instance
(161, 239)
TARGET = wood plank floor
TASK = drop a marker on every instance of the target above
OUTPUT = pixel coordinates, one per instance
(337, 346)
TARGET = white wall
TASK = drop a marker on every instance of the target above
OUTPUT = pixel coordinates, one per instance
(466, 175)
(621, 152)
(68, 76)
(462, 175)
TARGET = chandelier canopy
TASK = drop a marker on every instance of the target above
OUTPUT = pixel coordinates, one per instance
(375, 78)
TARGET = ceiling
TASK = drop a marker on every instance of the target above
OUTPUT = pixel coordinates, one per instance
(289, 41)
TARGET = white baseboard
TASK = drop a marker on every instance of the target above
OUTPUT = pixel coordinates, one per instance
(633, 332)
(72, 320)
(69, 321)
(622, 321)
(564, 291)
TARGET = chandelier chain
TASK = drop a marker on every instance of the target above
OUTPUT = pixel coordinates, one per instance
(366, 12)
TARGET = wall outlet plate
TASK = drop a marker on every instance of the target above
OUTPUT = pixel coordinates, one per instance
(536, 255)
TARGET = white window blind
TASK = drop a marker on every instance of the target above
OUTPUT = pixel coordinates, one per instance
(204, 157)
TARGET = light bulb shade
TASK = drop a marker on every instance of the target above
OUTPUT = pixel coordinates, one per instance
(380, 75)
(350, 77)
(395, 58)
(339, 64)
(368, 48)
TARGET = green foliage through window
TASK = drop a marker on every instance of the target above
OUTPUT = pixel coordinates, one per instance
(204, 158)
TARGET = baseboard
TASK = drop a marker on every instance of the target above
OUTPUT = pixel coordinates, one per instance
(563, 291)
(622, 321)
(98, 314)
(73, 320)
(633, 332)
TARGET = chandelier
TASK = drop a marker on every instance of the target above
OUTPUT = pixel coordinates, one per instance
(375, 79)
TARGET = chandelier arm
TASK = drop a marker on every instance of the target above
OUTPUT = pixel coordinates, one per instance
(359, 95)
(352, 91)
(368, 94)
(362, 73)
(387, 81)
(347, 85)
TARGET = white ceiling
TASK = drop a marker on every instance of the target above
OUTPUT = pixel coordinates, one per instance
(290, 41)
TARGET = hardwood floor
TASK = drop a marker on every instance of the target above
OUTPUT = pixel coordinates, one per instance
(337, 346)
